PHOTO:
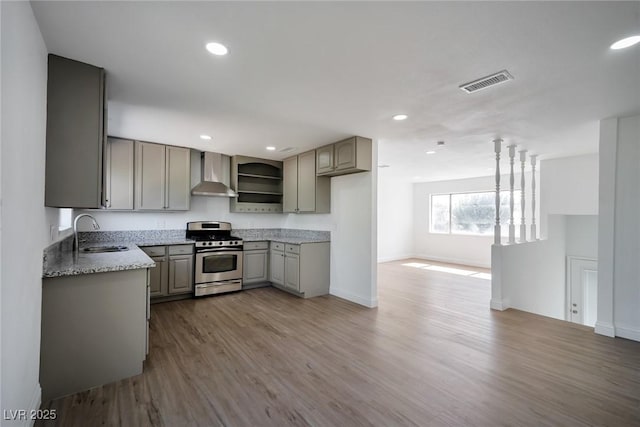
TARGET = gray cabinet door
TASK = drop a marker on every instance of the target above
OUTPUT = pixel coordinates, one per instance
(292, 272)
(254, 269)
(324, 159)
(180, 274)
(290, 184)
(158, 277)
(276, 274)
(307, 182)
(150, 176)
(118, 185)
(178, 166)
(75, 134)
(345, 154)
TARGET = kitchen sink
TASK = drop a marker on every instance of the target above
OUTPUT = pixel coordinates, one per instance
(101, 249)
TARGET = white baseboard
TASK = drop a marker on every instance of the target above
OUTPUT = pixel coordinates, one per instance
(395, 258)
(605, 329)
(367, 302)
(452, 260)
(499, 304)
(627, 332)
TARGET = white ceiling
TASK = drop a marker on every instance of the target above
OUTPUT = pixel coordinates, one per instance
(303, 74)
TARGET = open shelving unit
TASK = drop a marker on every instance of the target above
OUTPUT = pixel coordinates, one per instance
(258, 183)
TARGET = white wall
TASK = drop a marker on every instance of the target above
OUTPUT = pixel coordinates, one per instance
(619, 243)
(24, 78)
(203, 209)
(531, 276)
(469, 250)
(353, 243)
(582, 236)
(395, 219)
(568, 186)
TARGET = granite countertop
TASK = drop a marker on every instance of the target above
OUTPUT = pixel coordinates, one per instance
(67, 263)
(283, 235)
(58, 259)
(287, 239)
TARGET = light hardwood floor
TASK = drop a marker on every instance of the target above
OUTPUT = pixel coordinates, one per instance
(431, 354)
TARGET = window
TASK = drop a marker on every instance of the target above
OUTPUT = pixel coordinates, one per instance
(471, 213)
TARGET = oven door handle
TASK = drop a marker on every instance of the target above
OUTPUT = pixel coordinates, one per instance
(203, 251)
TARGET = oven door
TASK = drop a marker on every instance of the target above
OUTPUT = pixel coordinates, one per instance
(216, 265)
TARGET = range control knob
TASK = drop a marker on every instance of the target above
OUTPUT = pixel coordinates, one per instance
(220, 243)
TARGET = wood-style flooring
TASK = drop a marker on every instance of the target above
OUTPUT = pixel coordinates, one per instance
(431, 354)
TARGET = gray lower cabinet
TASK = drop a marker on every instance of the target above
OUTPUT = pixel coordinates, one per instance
(180, 274)
(162, 177)
(94, 330)
(292, 272)
(303, 269)
(173, 273)
(119, 172)
(75, 134)
(159, 277)
(255, 264)
(276, 263)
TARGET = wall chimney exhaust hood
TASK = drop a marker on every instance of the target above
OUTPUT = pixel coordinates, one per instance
(216, 173)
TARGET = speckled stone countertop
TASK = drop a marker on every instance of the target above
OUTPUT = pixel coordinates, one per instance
(283, 235)
(59, 260)
(67, 263)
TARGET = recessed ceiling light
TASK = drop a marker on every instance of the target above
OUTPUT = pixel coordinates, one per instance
(205, 137)
(431, 152)
(217, 48)
(270, 148)
(626, 42)
(400, 117)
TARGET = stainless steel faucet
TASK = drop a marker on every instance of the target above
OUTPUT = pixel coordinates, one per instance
(76, 244)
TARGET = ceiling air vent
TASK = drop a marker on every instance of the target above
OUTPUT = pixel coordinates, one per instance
(485, 82)
(287, 150)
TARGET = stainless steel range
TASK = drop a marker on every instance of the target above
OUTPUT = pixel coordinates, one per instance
(218, 265)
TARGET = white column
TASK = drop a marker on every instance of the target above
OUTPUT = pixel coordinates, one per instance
(497, 144)
(534, 232)
(512, 226)
(523, 227)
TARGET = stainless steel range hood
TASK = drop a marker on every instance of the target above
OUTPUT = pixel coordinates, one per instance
(215, 168)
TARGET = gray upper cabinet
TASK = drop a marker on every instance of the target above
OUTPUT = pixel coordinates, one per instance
(324, 159)
(290, 184)
(119, 166)
(178, 178)
(304, 191)
(150, 176)
(351, 155)
(76, 129)
(162, 177)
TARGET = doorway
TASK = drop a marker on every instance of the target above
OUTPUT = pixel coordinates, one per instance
(582, 290)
